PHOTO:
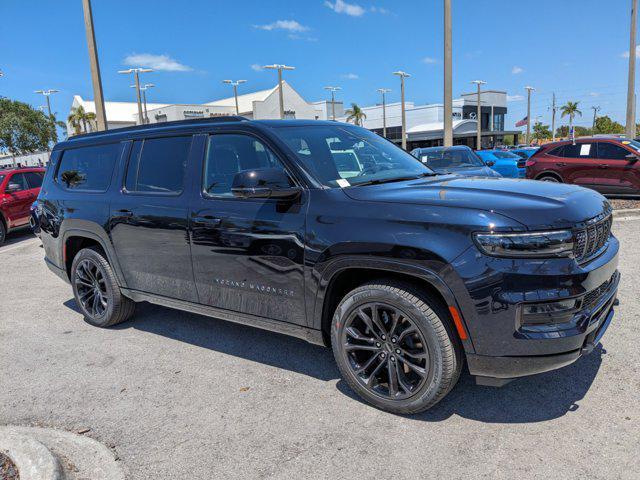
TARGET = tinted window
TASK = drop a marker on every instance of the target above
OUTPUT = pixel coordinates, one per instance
(557, 152)
(19, 179)
(88, 168)
(506, 155)
(34, 179)
(230, 154)
(611, 151)
(157, 165)
(579, 150)
(450, 158)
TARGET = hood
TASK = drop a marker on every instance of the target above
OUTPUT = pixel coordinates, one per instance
(469, 171)
(534, 204)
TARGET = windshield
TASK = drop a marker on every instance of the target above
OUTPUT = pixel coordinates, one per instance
(340, 156)
(450, 158)
(631, 143)
(506, 155)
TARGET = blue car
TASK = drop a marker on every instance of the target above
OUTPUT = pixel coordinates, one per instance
(459, 159)
(525, 152)
(504, 162)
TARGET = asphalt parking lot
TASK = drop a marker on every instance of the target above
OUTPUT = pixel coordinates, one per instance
(178, 395)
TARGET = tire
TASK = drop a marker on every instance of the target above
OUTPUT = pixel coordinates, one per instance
(90, 272)
(549, 178)
(3, 232)
(434, 348)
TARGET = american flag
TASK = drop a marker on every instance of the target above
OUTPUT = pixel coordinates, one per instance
(522, 122)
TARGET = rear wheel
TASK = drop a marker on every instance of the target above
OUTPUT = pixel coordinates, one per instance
(394, 346)
(549, 178)
(96, 290)
(3, 232)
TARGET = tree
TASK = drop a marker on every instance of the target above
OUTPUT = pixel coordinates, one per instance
(79, 119)
(24, 129)
(604, 124)
(355, 115)
(541, 132)
(570, 109)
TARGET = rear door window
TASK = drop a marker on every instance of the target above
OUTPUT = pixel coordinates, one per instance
(34, 179)
(88, 168)
(157, 165)
(579, 150)
(611, 151)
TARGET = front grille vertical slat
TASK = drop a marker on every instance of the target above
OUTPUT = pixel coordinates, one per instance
(590, 240)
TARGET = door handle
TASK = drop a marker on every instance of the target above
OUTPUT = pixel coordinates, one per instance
(207, 221)
(125, 213)
(561, 164)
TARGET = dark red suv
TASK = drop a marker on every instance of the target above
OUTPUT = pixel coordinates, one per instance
(606, 164)
(18, 190)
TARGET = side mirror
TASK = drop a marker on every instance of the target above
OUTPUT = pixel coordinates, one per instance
(632, 157)
(12, 187)
(490, 163)
(263, 183)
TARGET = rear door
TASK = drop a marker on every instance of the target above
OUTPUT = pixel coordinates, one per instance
(616, 173)
(149, 217)
(577, 163)
(20, 200)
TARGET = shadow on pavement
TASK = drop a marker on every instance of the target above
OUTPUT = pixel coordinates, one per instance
(533, 399)
(16, 236)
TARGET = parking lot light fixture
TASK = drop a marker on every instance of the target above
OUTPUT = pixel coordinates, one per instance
(47, 94)
(136, 75)
(280, 68)
(479, 83)
(402, 76)
(144, 89)
(235, 84)
(333, 91)
(384, 92)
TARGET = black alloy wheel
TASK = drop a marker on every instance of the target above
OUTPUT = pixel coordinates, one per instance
(91, 286)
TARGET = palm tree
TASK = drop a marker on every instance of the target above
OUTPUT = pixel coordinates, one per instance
(79, 118)
(571, 109)
(356, 115)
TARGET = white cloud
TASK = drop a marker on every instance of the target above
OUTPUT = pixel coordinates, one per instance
(516, 70)
(429, 60)
(256, 67)
(514, 98)
(341, 6)
(594, 94)
(163, 63)
(626, 54)
(350, 76)
(380, 10)
(289, 25)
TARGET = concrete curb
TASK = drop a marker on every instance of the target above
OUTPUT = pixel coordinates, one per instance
(83, 456)
(626, 213)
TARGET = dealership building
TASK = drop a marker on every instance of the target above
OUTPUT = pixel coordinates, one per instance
(424, 122)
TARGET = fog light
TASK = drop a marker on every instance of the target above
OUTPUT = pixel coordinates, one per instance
(549, 312)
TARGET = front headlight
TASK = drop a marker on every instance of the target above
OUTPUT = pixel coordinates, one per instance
(558, 243)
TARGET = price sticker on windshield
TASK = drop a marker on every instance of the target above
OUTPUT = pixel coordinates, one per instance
(343, 183)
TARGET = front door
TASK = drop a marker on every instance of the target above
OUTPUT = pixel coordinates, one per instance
(18, 206)
(578, 164)
(149, 218)
(616, 172)
(248, 254)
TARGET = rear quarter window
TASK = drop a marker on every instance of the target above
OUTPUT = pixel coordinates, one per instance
(88, 168)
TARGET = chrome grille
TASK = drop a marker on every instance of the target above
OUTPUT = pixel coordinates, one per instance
(590, 240)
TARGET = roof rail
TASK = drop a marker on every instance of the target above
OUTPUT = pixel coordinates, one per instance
(174, 123)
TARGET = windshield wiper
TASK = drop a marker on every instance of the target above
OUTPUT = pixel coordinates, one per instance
(378, 181)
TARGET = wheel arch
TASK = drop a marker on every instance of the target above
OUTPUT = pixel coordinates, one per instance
(549, 173)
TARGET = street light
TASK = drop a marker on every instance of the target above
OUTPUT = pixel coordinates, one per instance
(136, 74)
(280, 68)
(384, 92)
(402, 76)
(47, 94)
(448, 96)
(98, 98)
(529, 90)
(144, 89)
(333, 91)
(235, 91)
(479, 116)
(630, 127)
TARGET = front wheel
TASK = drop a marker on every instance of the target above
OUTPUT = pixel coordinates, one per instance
(394, 346)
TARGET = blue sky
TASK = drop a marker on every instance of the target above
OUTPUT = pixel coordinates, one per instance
(573, 47)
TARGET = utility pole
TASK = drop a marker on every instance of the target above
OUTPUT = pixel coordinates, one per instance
(333, 91)
(479, 116)
(595, 113)
(144, 89)
(402, 76)
(98, 98)
(529, 90)
(136, 75)
(630, 130)
(553, 118)
(384, 92)
(448, 96)
(235, 91)
(280, 68)
(47, 94)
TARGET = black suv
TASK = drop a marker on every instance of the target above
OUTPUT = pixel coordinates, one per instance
(330, 233)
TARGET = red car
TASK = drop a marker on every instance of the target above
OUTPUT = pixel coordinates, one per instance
(608, 165)
(19, 188)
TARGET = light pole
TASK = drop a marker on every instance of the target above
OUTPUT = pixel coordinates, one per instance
(136, 75)
(47, 94)
(630, 130)
(448, 96)
(333, 91)
(280, 68)
(479, 116)
(529, 90)
(384, 92)
(596, 109)
(98, 98)
(144, 89)
(402, 76)
(235, 91)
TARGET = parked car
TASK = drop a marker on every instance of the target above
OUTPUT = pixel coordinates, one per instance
(459, 159)
(19, 187)
(403, 272)
(525, 152)
(608, 165)
(506, 163)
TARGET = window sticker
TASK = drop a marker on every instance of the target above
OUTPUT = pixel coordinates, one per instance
(585, 148)
(343, 183)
